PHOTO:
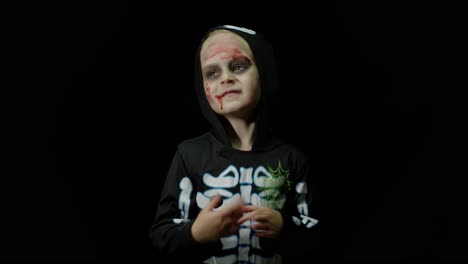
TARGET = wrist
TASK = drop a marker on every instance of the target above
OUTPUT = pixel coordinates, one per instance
(194, 232)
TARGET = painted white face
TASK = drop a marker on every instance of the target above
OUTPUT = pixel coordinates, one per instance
(230, 75)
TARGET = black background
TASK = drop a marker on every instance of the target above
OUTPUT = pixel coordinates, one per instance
(103, 93)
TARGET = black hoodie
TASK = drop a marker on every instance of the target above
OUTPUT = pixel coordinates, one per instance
(273, 174)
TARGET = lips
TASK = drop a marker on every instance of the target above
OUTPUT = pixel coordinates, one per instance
(228, 92)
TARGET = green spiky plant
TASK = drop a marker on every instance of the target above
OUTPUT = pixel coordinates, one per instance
(276, 191)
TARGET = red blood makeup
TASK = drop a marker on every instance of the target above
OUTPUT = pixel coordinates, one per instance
(220, 100)
(208, 93)
(227, 52)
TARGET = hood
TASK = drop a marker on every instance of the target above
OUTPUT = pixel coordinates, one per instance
(264, 57)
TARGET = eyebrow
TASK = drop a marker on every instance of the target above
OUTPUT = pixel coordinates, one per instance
(214, 65)
(209, 66)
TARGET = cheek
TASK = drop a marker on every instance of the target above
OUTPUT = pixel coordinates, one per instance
(254, 91)
(209, 96)
(208, 92)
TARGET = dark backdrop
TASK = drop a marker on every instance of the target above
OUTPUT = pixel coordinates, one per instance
(104, 94)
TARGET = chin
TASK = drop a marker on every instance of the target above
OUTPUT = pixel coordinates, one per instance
(235, 112)
(230, 109)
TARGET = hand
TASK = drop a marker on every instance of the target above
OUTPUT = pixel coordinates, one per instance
(213, 224)
(267, 222)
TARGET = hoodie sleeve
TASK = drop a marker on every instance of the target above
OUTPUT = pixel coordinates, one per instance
(300, 235)
(170, 231)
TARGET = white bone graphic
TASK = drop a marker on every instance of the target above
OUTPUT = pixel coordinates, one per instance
(245, 178)
(203, 199)
(246, 175)
(227, 179)
(246, 184)
(229, 259)
(230, 241)
(308, 221)
(301, 189)
(186, 188)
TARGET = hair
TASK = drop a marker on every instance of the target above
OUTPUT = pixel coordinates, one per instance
(220, 31)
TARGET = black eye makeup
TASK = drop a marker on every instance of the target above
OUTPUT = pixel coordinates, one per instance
(235, 66)
(239, 65)
(211, 72)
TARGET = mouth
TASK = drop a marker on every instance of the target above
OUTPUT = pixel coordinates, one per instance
(229, 92)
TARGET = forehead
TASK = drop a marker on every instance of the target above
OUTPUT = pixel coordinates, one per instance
(224, 42)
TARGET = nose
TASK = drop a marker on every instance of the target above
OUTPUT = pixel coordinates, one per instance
(227, 78)
(227, 81)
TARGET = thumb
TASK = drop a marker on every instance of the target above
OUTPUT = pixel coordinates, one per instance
(214, 202)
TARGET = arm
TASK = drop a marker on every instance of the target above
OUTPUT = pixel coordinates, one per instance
(170, 231)
(290, 230)
(300, 235)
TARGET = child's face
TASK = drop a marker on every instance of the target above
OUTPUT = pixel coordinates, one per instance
(230, 76)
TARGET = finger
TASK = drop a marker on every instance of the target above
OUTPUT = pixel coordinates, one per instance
(239, 201)
(263, 234)
(236, 215)
(246, 217)
(214, 202)
(233, 208)
(262, 217)
(259, 226)
(249, 208)
(257, 215)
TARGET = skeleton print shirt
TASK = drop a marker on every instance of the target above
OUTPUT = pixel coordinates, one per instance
(273, 174)
(201, 168)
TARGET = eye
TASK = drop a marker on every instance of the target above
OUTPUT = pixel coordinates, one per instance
(211, 74)
(239, 67)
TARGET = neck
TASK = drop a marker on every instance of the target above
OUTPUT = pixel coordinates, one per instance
(241, 133)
